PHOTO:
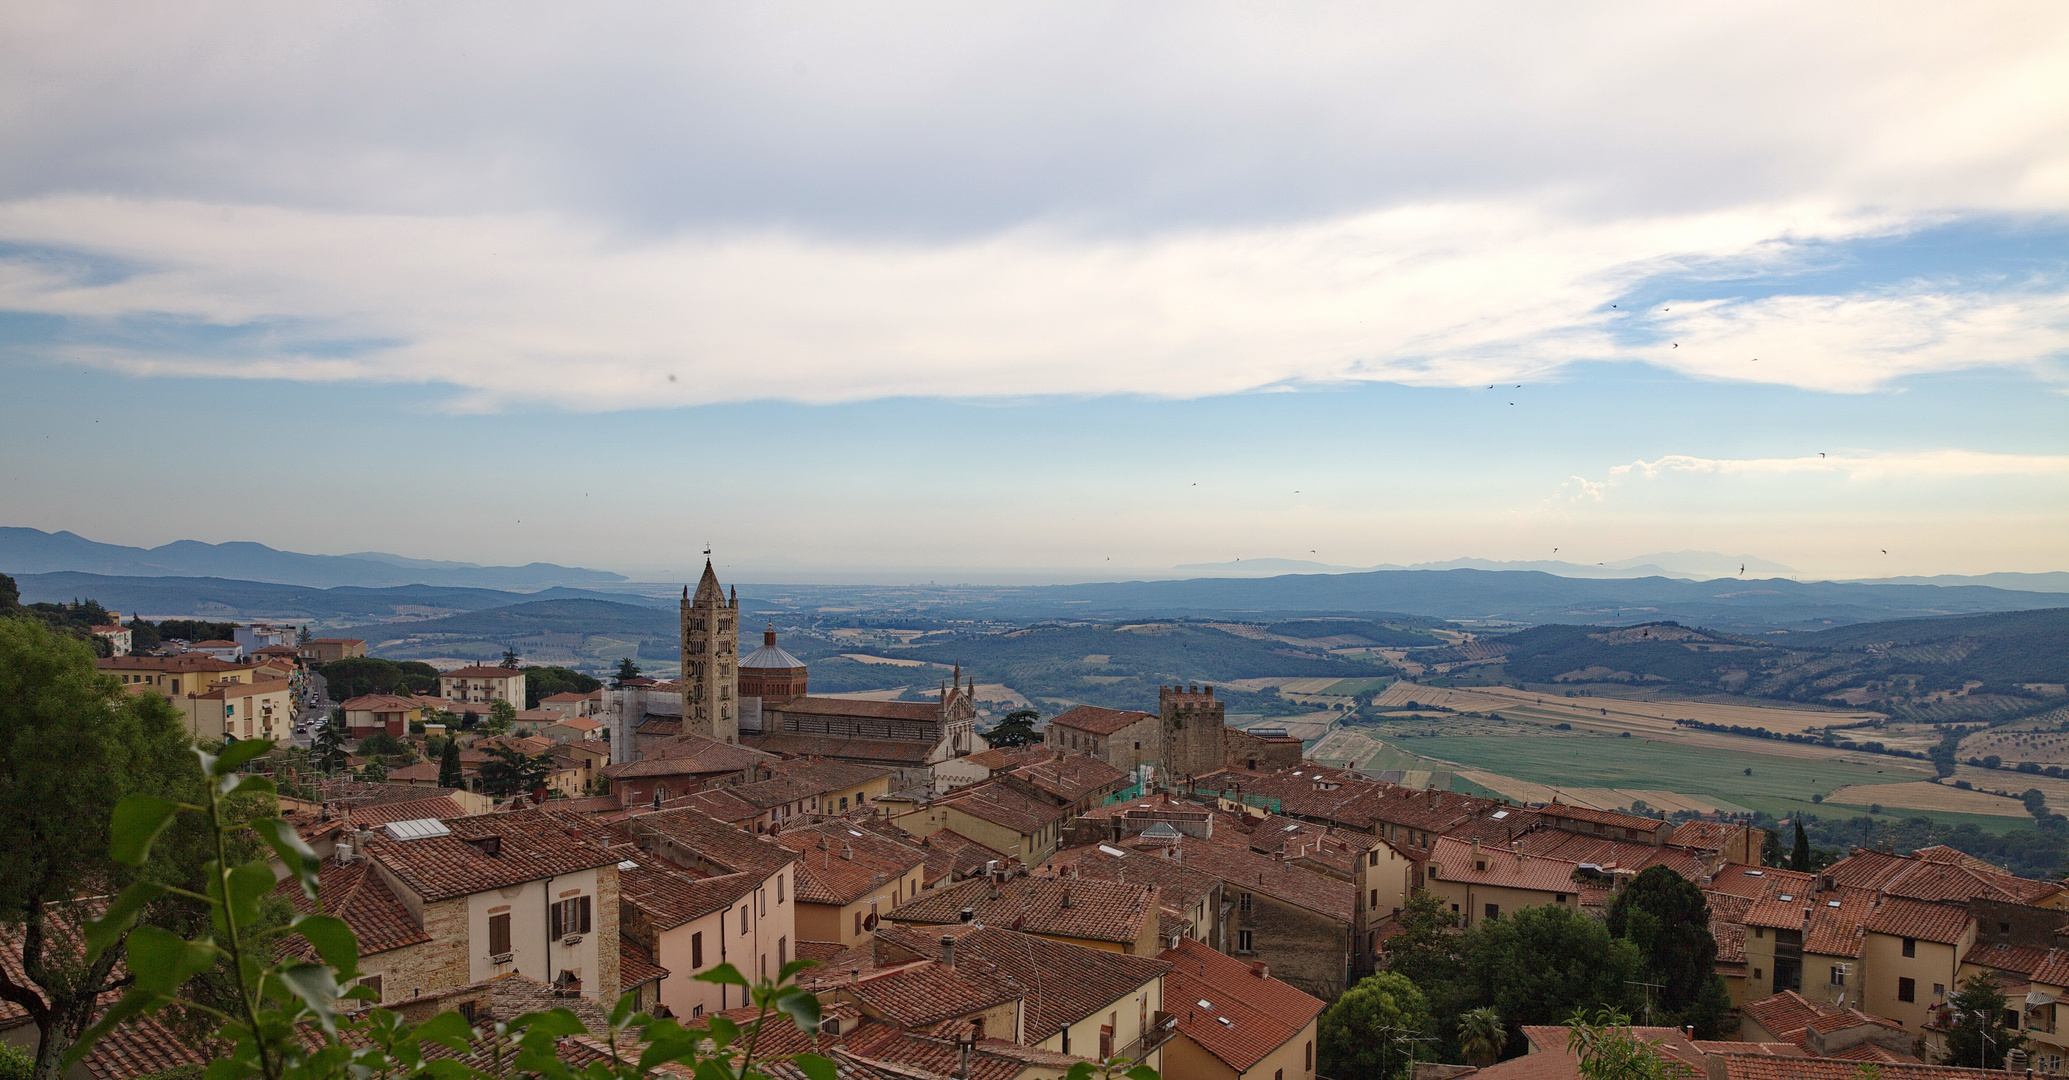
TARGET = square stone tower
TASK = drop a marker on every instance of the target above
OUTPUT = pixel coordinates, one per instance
(710, 658)
(1192, 726)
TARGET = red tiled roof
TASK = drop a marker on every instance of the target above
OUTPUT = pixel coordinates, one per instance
(531, 845)
(1000, 804)
(1753, 882)
(713, 842)
(1069, 778)
(841, 864)
(1087, 909)
(894, 751)
(1261, 1013)
(1944, 875)
(1775, 1049)
(1606, 818)
(670, 895)
(169, 664)
(1706, 835)
(689, 755)
(1899, 917)
(874, 710)
(355, 893)
(951, 855)
(927, 992)
(479, 672)
(636, 966)
(1098, 721)
(1604, 852)
(1228, 857)
(1768, 1067)
(436, 806)
(564, 695)
(1179, 886)
(2002, 957)
(1455, 860)
(1098, 978)
(1790, 1016)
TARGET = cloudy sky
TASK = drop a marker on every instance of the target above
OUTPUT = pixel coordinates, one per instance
(1057, 289)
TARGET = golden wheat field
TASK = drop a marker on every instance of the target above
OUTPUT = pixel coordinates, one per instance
(1924, 795)
(1615, 713)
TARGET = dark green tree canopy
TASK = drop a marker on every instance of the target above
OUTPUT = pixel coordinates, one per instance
(1367, 1032)
(1666, 916)
(356, 675)
(544, 682)
(1017, 729)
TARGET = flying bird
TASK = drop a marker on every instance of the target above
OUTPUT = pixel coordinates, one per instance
(1677, 344)
(1742, 569)
(1821, 453)
(1885, 551)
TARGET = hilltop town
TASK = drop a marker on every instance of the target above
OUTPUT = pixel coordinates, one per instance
(1159, 886)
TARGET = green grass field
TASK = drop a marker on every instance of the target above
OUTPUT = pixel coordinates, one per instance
(1779, 785)
(1354, 687)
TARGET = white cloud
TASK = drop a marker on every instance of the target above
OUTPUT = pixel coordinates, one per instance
(1942, 464)
(1859, 342)
(535, 308)
(544, 205)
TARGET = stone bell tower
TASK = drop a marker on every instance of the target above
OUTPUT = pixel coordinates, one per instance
(710, 655)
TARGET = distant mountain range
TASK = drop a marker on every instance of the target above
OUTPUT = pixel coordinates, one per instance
(33, 551)
(1689, 565)
(1523, 597)
(222, 598)
(1679, 564)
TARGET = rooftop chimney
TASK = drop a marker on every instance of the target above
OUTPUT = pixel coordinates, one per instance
(948, 950)
(1066, 897)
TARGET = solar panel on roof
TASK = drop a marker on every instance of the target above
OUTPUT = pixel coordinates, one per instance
(418, 829)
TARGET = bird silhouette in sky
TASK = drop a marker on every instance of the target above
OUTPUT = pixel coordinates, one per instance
(1555, 551)
(1742, 569)
(1677, 344)
(1821, 453)
(1885, 551)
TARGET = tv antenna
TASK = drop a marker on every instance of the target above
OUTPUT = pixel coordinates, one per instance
(1649, 989)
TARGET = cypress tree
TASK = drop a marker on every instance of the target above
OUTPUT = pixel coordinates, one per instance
(449, 766)
(1799, 858)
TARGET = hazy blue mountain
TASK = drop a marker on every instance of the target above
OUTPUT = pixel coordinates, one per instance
(2055, 582)
(1683, 564)
(222, 598)
(1528, 597)
(33, 551)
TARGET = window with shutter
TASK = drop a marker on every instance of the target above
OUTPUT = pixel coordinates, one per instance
(697, 949)
(499, 933)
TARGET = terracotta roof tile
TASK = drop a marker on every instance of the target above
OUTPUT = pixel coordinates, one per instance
(436, 806)
(1706, 835)
(840, 864)
(1899, 917)
(876, 710)
(480, 672)
(712, 841)
(1606, 818)
(1002, 805)
(1261, 1014)
(1030, 964)
(1229, 858)
(1455, 860)
(1767, 1067)
(355, 893)
(890, 751)
(1086, 909)
(1071, 777)
(688, 755)
(1098, 721)
(1179, 886)
(1944, 875)
(530, 845)
(636, 966)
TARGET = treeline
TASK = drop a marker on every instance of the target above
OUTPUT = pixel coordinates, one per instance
(358, 675)
(2032, 853)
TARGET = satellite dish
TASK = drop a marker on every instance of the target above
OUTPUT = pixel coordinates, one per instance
(869, 921)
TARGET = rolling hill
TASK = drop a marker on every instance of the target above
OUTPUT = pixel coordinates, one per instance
(33, 551)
